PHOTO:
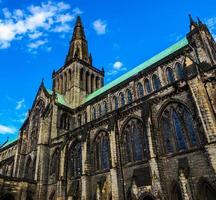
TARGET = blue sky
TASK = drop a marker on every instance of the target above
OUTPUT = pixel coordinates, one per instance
(34, 39)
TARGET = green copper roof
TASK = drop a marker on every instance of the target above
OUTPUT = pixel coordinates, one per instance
(182, 43)
(60, 98)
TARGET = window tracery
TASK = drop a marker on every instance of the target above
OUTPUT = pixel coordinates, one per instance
(134, 141)
(156, 82)
(129, 96)
(178, 128)
(122, 99)
(140, 90)
(170, 75)
(147, 86)
(75, 160)
(102, 151)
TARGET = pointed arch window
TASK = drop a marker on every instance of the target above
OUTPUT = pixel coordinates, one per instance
(179, 131)
(65, 121)
(105, 107)
(134, 141)
(140, 90)
(115, 101)
(94, 113)
(179, 70)
(79, 119)
(75, 160)
(102, 151)
(170, 75)
(129, 96)
(99, 110)
(54, 164)
(147, 86)
(122, 99)
(156, 82)
(178, 128)
(85, 117)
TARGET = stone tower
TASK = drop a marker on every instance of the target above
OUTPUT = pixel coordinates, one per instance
(78, 77)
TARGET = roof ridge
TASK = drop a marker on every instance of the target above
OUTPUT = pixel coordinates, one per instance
(173, 48)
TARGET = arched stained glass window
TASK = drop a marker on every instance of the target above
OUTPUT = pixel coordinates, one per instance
(166, 126)
(105, 107)
(102, 149)
(99, 110)
(79, 119)
(134, 141)
(115, 101)
(129, 96)
(140, 90)
(147, 86)
(75, 160)
(54, 165)
(179, 131)
(190, 128)
(178, 128)
(179, 70)
(65, 121)
(85, 117)
(136, 138)
(93, 113)
(122, 99)
(170, 75)
(156, 82)
(105, 153)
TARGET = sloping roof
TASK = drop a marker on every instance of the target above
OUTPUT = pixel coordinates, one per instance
(8, 144)
(180, 44)
(60, 98)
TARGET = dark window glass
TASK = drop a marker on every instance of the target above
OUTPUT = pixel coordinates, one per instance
(179, 70)
(179, 131)
(105, 153)
(156, 82)
(137, 143)
(140, 90)
(93, 113)
(135, 146)
(105, 107)
(99, 110)
(166, 132)
(115, 99)
(122, 99)
(147, 86)
(129, 96)
(170, 75)
(190, 128)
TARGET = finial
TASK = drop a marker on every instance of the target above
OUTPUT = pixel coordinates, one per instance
(199, 21)
(102, 69)
(193, 24)
(42, 81)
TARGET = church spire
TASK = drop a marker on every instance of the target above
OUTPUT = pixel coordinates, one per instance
(78, 45)
(78, 30)
(193, 24)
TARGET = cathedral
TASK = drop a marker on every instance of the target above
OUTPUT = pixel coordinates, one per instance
(148, 135)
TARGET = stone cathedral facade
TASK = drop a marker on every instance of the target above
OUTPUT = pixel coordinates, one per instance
(149, 134)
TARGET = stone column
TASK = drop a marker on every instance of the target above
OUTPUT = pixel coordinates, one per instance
(156, 186)
(85, 168)
(113, 171)
(89, 83)
(185, 188)
(61, 181)
(205, 111)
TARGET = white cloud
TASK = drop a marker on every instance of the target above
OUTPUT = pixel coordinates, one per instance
(35, 21)
(77, 11)
(117, 65)
(7, 130)
(35, 35)
(211, 23)
(20, 104)
(99, 26)
(36, 44)
(116, 68)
